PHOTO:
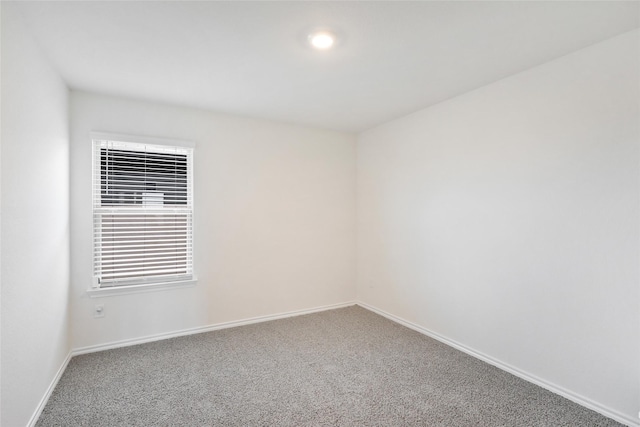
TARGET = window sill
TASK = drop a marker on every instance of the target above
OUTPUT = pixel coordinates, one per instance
(136, 289)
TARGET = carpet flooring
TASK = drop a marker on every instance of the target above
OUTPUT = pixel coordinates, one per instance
(344, 367)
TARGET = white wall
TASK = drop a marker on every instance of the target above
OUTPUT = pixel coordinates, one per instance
(35, 222)
(274, 219)
(506, 220)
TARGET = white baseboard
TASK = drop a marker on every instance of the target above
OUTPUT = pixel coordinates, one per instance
(574, 397)
(43, 402)
(581, 400)
(208, 328)
(158, 337)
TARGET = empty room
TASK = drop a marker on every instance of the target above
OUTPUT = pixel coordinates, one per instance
(291, 213)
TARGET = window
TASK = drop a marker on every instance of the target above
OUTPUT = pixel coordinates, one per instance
(142, 213)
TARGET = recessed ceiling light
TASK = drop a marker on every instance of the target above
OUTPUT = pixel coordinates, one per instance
(322, 40)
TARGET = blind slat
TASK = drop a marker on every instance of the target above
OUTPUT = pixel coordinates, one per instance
(156, 278)
(141, 272)
(105, 260)
(137, 242)
(146, 265)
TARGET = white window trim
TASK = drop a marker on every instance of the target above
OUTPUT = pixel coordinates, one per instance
(136, 289)
(94, 291)
(143, 139)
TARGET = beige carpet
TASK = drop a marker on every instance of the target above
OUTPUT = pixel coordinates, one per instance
(345, 367)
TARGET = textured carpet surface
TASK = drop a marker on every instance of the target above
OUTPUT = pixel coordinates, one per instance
(345, 367)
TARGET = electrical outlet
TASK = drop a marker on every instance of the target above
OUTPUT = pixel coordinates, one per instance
(98, 311)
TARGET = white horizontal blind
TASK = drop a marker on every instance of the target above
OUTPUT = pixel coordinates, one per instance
(142, 213)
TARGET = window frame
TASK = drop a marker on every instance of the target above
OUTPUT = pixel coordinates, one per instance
(147, 285)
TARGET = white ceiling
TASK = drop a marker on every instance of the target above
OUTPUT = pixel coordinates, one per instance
(249, 58)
